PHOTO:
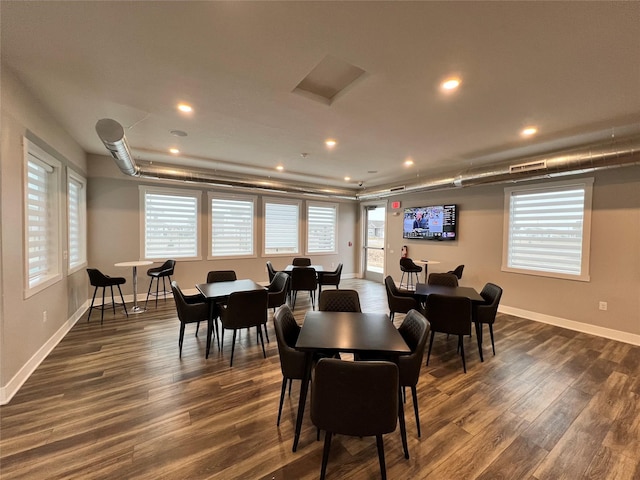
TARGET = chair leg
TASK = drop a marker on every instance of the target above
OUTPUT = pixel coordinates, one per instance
(430, 345)
(148, 293)
(102, 310)
(493, 345)
(124, 305)
(197, 328)
(266, 333)
(290, 382)
(383, 468)
(233, 345)
(464, 364)
(157, 285)
(479, 339)
(284, 387)
(402, 279)
(113, 300)
(95, 290)
(325, 455)
(391, 314)
(181, 339)
(414, 395)
(264, 352)
(164, 288)
(294, 294)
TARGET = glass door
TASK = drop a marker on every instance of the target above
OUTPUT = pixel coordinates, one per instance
(374, 227)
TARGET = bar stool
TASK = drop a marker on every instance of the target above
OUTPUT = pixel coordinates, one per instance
(99, 279)
(163, 271)
(407, 266)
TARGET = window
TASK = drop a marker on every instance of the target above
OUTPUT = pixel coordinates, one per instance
(547, 229)
(170, 227)
(321, 228)
(232, 225)
(43, 264)
(281, 227)
(77, 221)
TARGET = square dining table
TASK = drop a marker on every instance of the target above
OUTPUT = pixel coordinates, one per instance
(352, 333)
(218, 292)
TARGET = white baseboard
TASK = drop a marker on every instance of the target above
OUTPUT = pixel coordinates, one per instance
(11, 388)
(609, 333)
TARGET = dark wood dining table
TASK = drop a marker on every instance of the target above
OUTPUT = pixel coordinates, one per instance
(218, 292)
(317, 268)
(424, 290)
(326, 332)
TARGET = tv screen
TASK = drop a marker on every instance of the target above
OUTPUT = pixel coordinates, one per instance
(436, 222)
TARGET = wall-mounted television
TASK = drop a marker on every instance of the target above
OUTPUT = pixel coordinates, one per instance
(435, 222)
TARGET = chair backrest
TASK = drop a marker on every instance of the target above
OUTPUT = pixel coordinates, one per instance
(246, 309)
(407, 265)
(221, 276)
(487, 313)
(355, 398)
(301, 262)
(189, 312)
(97, 278)
(271, 271)
(330, 278)
(457, 271)
(339, 301)
(446, 279)
(415, 330)
(449, 314)
(303, 278)
(278, 289)
(292, 362)
(166, 269)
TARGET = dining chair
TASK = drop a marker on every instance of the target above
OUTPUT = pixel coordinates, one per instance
(339, 301)
(244, 310)
(485, 314)
(278, 290)
(450, 315)
(191, 309)
(354, 398)
(329, 278)
(163, 271)
(271, 271)
(98, 279)
(301, 262)
(221, 276)
(400, 301)
(408, 267)
(457, 271)
(446, 279)
(292, 361)
(303, 279)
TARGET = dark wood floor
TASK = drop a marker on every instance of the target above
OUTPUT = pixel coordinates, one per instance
(115, 401)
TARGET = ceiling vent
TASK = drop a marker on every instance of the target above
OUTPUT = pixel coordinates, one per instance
(528, 167)
(328, 79)
(397, 189)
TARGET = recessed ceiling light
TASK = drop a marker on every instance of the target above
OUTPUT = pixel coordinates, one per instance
(280, 168)
(450, 84)
(346, 179)
(527, 132)
(175, 151)
(330, 143)
(186, 108)
(408, 162)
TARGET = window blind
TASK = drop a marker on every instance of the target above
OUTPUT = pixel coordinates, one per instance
(281, 228)
(231, 227)
(171, 228)
(321, 233)
(76, 195)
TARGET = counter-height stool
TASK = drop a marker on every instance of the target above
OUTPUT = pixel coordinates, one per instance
(162, 272)
(100, 280)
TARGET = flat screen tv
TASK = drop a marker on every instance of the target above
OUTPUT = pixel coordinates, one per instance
(436, 222)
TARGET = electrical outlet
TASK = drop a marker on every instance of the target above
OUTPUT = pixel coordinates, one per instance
(602, 305)
(44, 315)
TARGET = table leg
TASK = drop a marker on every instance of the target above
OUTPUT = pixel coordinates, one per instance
(303, 398)
(426, 265)
(136, 308)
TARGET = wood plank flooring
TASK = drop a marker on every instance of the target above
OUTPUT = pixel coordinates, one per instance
(116, 401)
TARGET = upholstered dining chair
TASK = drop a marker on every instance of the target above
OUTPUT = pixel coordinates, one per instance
(301, 262)
(450, 315)
(292, 362)
(400, 301)
(278, 290)
(339, 301)
(244, 310)
(98, 279)
(485, 314)
(457, 271)
(191, 309)
(303, 279)
(221, 276)
(408, 267)
(329, 278)
(271, 271)
(354, 398)
(162, 272)
(446, 279)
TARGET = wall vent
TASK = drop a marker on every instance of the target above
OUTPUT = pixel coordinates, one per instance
(397, 189)
(528, 167)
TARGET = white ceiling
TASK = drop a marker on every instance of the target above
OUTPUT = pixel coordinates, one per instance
(570, 68)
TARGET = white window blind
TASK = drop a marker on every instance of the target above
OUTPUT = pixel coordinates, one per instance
(546, 229)
(321, 228)
(42, 219)
(231, 226)
(77, 226)
(170, 225)
(281, 228)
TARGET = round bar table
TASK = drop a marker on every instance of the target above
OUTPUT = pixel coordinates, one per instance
(426, 264)
(135, 264)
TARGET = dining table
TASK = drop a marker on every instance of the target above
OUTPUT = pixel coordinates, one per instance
(350, 332)
(423, 290)
(217, 292)
(135, 264)
(317, 268)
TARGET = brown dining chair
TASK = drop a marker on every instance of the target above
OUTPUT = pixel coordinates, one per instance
(244, 310)
(162, 272)
(408, 267)
(191, 309)
(485, 314)
(450, 315)
(339, 301)
(457, 271)
(354, 398)
(303, 279)
(221, 276)
(98, 279)
(301, 262)
(445, 279)
(400, 301)
(329, 278)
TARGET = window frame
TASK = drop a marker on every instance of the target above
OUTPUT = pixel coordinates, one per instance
(587, 185)
(327, 205)
(195, 194)
(73, 176)
(211, 196)
(54, 200)
(282, 201)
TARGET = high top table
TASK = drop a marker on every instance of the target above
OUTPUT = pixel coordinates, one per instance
(426, 264)
(135, 264)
